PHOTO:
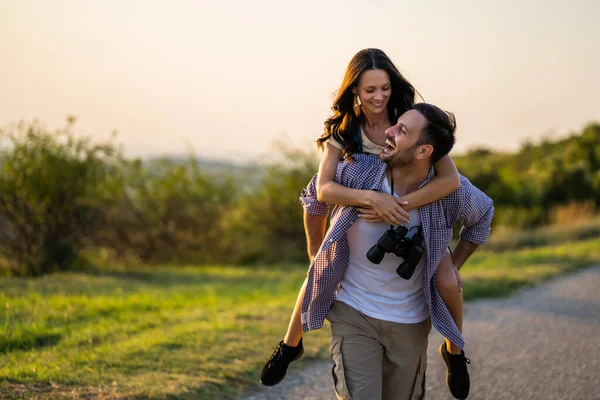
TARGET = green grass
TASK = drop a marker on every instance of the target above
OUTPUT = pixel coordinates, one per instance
(193, 332)
(504, 239)
(494, 274)
(197, 332)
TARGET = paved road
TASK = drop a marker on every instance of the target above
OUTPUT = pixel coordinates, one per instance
(542, 343)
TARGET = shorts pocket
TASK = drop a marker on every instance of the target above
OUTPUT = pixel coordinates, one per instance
(418, 392)
(339, 377)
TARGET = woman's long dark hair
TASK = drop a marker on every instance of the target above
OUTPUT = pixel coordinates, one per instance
(343, 125)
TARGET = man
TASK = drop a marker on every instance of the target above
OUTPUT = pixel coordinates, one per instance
(380, 321)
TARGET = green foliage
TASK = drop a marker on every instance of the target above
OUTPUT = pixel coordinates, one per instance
(171, 213)
(527, 185)
(50, 183)
(266, 224)
(62, 193)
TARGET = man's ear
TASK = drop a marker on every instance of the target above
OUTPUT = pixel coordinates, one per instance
(424, 151)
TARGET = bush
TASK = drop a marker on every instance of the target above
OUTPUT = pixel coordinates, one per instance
(168, 213)
(266, 224)
(61, 193)
(48, 201)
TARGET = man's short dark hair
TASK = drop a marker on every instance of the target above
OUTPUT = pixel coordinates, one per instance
(438, 130)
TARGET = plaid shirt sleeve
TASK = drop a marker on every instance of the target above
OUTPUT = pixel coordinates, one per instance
(476, 213)
(308, 199)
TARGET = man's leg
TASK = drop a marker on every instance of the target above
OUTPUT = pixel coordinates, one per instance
(356, 352)
(405, 360)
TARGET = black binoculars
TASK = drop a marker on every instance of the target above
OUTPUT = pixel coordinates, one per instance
(394, 240)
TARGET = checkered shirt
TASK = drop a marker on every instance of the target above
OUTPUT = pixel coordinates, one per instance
(467, 205)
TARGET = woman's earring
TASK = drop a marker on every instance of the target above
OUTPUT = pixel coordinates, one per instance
(358, 101)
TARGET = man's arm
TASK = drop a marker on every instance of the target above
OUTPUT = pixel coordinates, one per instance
(476, 213)
(314, 228)
(462, 252)
(315, 218)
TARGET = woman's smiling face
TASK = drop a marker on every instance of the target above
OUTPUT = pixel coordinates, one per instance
(374, 90)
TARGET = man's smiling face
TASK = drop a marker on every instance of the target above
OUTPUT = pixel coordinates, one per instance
(402, 139)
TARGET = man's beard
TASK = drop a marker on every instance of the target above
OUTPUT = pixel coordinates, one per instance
(400, 159)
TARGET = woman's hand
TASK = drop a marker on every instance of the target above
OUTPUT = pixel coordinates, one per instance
(388, 208)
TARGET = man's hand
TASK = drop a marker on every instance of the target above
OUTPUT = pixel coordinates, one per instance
(460, 255)
(458, 278)
(368, 214)
(388, 208)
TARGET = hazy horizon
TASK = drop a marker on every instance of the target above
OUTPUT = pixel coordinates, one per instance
(231, 78)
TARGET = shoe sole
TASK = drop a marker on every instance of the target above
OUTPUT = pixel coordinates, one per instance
(283, 377)
(441, 353)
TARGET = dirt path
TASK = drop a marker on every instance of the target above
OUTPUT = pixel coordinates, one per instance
(542, 343)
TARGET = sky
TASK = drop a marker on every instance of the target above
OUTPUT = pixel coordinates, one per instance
(228, 79)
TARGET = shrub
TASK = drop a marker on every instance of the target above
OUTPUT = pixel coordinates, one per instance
(48, 202)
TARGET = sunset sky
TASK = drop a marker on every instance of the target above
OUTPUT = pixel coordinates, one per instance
(231, 77)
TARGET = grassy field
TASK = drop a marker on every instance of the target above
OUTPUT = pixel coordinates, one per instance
(193, 332)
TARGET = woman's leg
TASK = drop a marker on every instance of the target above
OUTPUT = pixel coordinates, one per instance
(447, 285)
(289, 349)
(457, 374)
(294, 332)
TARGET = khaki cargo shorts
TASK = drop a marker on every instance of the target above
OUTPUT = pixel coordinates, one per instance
(375, 359)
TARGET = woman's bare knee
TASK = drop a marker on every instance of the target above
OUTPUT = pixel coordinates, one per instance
(445, 278)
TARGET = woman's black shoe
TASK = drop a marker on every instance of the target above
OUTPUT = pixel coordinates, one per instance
(457, 375)
(274, 370)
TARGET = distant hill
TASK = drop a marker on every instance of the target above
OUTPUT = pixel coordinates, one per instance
(250, 174)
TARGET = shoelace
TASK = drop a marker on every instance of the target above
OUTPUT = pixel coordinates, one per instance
(467, 360)
(278, 351)
(457, 363)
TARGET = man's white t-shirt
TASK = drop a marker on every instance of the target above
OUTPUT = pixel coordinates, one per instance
(377, 290)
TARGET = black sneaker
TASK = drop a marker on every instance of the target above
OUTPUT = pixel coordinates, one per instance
(274, 370)
(457, 376)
